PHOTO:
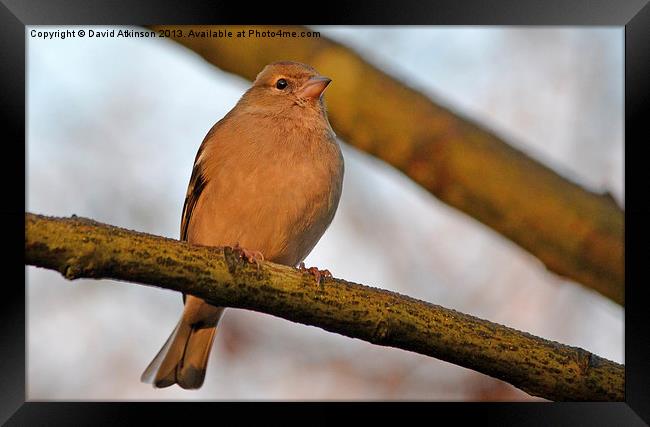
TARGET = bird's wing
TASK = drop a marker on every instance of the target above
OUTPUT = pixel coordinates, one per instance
(194, 190)
(197, 183)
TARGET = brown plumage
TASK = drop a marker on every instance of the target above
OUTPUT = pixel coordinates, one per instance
(268, 177)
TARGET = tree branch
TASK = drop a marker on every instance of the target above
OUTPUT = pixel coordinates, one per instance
(575, 233)
(78, 247)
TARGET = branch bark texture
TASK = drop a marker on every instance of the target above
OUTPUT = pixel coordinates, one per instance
(575, 233)
(82, 248)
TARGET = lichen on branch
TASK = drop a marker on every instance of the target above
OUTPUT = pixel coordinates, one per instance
(78, 247)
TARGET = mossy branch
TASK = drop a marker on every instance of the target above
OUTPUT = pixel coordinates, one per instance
(575, 233)
(82, 248)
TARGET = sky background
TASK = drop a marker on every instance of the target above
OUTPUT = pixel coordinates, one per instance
(113, 126)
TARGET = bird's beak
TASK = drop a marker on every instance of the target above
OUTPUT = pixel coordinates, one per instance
(314, 87)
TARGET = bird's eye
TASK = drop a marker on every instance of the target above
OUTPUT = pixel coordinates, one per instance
(281, 84)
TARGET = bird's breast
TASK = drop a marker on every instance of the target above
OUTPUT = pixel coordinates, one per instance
(276, 196)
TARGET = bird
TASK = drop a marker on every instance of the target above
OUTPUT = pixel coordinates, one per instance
(267, 180)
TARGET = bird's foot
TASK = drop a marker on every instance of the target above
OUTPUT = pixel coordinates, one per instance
(251, 256)
(314, 271)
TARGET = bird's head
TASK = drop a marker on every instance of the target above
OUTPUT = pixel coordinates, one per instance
(285, 87)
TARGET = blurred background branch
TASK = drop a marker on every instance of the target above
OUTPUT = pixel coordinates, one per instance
(82, 248)
(575, 233)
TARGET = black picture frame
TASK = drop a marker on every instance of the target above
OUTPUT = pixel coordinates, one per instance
(634, 15)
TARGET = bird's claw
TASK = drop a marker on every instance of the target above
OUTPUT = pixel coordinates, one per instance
(314, 271)
(251, 256)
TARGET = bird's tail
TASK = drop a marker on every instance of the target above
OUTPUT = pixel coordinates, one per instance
(184, 357)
